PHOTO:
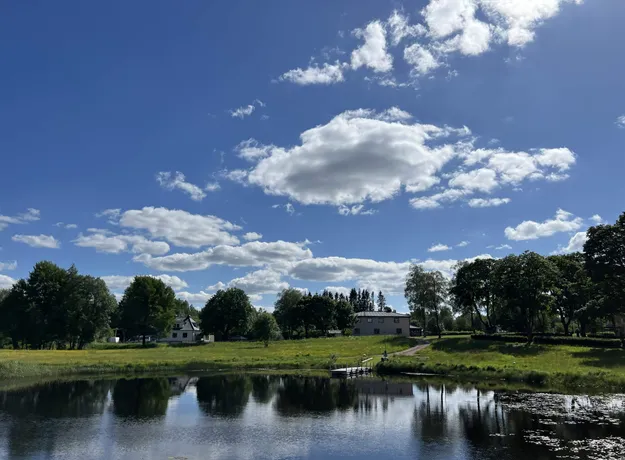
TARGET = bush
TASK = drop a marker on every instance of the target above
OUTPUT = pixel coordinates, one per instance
(552, 340)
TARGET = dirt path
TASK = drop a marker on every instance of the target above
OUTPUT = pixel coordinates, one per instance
(411, 351)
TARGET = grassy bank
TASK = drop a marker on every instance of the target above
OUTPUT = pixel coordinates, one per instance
(553, 366)
(300, 354)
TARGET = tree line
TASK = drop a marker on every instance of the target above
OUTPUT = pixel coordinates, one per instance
(529, 293)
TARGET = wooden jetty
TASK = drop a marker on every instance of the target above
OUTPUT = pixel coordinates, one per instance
(360, 369)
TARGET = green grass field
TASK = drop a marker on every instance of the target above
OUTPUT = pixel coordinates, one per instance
(295, 354)
(549, 365)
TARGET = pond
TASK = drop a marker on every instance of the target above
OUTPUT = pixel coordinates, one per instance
(290, 417)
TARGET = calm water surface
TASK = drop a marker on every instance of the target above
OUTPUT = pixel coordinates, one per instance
(288, 417)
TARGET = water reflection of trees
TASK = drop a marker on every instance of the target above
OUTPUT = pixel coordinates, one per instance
(141, 397)
(25, 436)
(225, 395)
(299, 395)
(264, 387)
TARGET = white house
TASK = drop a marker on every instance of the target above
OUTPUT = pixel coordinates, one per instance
(185, 330)
(382, 323)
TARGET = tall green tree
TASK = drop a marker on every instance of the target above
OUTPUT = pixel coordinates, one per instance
(322, 310)
(345, 317)
(426, 292)
(472, 291)
(184, 308)
(604, 252)
(227, 313)
(15, 311)
(525, 284)
(87, 308)
(574, 289)
(286, 311)
(148, 307)
(265, 328)
(306, 312)
(381, 302)
(45, 291)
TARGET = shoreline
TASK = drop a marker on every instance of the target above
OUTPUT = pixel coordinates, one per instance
(535, 367)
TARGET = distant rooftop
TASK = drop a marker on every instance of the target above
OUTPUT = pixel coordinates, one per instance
(366, 314)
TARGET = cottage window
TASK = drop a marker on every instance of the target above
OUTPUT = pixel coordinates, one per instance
(174, 335)
(376, 331)
(380, 320)
(370, 320)
(184, 335)
(396, 320)
(399, 331)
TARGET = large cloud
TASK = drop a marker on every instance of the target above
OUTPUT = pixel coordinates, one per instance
(530, 230)
(389, 277)
(181, 227)
(277, 254)
(359, 155)
(363, 155)
(115, 244)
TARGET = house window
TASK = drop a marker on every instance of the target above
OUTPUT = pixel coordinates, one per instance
(357, 331)
(380, 320)
(370, 320)
(399, 331)
(396, 320)
(184, 335)
(376, 331)
(174, 335)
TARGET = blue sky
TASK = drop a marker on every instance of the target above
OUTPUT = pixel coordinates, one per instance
(304, 144)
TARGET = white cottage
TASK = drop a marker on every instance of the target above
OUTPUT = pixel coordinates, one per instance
(185, 330)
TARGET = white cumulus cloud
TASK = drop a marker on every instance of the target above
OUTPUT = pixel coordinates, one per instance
(576, 244)
(276, 254)
(181, 228)
(373, 52)
(115, 244)
(252, 236)
(326, 74)
(38, 241)
(30, 215)
(529, 230)
(439, 247)
(265, 281)
(487, 202)
(6, 282)
(177, 180)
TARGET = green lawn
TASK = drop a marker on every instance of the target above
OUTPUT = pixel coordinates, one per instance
(293, 354)
(551, 365)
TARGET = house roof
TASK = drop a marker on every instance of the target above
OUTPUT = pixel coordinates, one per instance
(383, 314)
(190, 321)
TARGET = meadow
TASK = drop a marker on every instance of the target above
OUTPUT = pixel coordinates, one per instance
(554, 366)
(320, 353)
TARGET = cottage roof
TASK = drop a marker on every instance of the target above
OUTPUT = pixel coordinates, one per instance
(382, 314)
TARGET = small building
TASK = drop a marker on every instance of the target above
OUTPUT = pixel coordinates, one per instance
(382, 323)
(185, 330)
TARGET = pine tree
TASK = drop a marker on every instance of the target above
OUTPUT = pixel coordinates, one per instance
(381, 301)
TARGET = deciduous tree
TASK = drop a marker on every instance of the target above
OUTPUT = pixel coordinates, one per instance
(227, 313)
(148, 307)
